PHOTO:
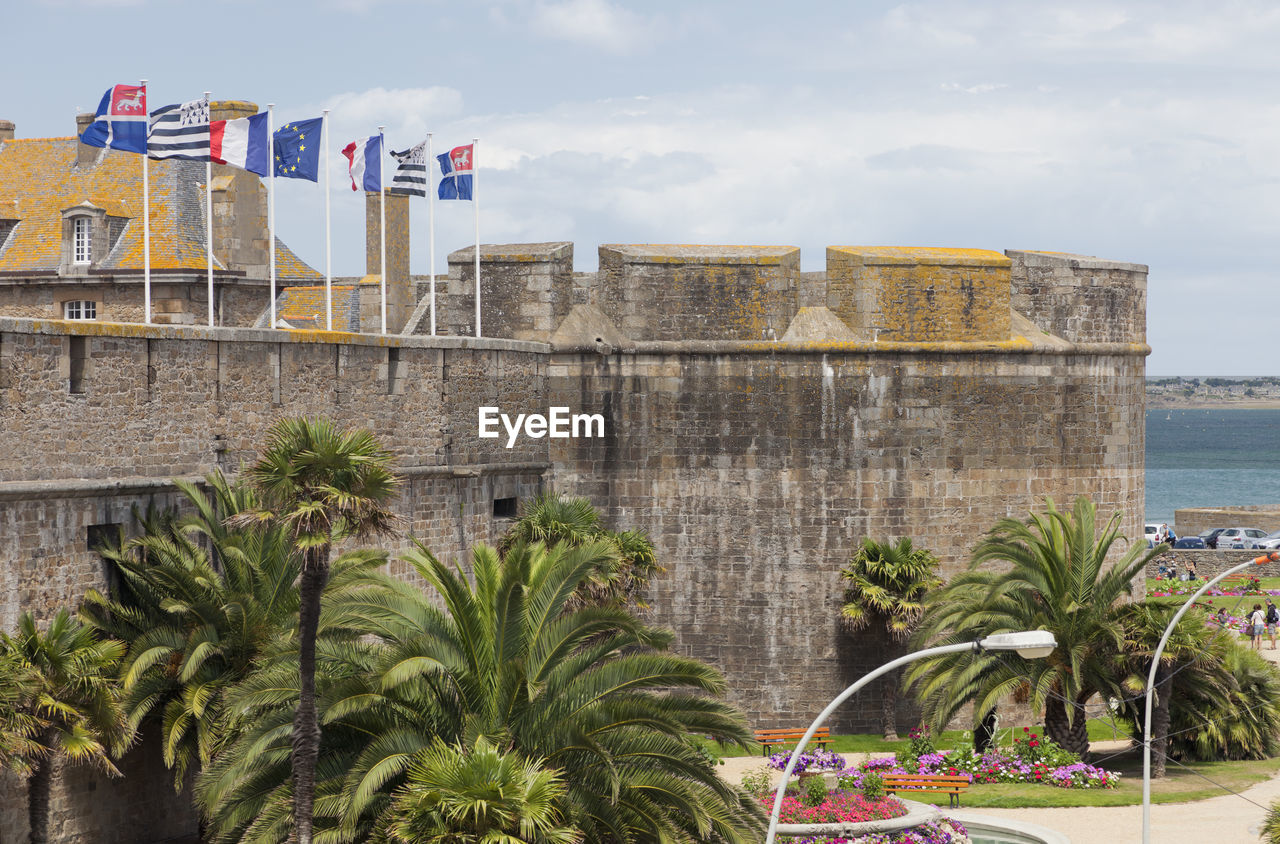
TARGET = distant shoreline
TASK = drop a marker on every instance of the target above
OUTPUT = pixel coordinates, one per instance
(1191, 404)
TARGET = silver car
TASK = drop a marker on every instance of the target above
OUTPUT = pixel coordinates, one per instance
(1241, 537)
(1270, 542)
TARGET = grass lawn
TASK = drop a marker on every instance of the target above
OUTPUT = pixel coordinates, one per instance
(1195, 781)
(1180, 785)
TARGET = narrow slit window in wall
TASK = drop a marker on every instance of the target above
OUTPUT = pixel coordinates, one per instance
(78, 352)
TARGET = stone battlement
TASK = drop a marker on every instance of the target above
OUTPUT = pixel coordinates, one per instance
(670, 292)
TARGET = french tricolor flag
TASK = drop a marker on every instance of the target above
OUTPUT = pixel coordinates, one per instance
(365, 159)
(242, 143)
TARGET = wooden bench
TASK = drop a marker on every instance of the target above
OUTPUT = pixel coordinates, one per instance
(822, 735)
(928, 784)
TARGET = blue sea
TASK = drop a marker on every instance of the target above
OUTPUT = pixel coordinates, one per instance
(1211, 458)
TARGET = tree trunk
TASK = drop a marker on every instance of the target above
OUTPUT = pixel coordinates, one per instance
(985, 735)
(39, 790)
(1069, 733)
(1160, 721)
(889, 705)
(306, 724)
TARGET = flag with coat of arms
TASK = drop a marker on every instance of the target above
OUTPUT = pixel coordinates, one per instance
(121, 121)
(457, 165)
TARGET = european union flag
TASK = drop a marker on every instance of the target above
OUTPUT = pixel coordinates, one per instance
(297, 149)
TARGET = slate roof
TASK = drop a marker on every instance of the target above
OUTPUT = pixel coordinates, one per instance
(303, 307)
(39, 179)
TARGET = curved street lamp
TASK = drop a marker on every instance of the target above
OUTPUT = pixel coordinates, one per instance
(1032, 644)
(1273, 557)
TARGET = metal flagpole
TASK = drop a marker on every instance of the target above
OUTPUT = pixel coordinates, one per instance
(475, 201)
(146, 230)
(271, 206)
(382, 229)
(431, 234)
(208, 210)
(328, 244)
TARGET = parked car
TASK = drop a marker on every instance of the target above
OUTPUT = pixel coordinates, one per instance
(1210, 537)
(1150, 530)
(1240, 537)
(1270, 542)
(1189, 542)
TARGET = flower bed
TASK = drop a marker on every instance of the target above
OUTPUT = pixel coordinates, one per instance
(941, 831)
(838, 807)
(810, 760)
(1030, 759)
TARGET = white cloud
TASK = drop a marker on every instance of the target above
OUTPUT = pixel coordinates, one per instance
(592, 23)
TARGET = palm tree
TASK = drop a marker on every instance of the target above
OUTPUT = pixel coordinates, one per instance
(886, 584)
(588, 691)
(1226, 706)
(323, 485)
(1144, 622)
(196, 615)
(477, 795)
(18, 726)
(618, 580)
(1054, 575)
(74, 699)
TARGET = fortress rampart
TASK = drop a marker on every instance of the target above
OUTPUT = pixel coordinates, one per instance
(760, 422)
(98, 417)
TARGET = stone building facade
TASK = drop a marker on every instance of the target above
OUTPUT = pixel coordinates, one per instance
(71, 231)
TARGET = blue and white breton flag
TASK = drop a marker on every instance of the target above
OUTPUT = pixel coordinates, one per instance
(180, 131)
(411, 174)
(120, 121)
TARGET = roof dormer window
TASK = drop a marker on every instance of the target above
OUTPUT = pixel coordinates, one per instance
(84, 238)
(81, 240)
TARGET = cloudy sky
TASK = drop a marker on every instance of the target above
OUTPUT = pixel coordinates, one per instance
(1134, 131)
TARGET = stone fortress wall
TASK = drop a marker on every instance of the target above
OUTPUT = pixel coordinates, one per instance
(759, 422)
(95, 419)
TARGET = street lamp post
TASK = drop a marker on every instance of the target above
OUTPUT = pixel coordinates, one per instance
(1032, 644)
(1274, 556)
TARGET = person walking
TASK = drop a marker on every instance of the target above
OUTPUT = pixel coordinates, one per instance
(1257, 621)
(1273, 619)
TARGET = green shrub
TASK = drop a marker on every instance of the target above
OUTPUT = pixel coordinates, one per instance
(872, 786)
(815, 790)
(756, 781)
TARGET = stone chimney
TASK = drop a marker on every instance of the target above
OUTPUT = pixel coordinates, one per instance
(85, 154)
(239, 206)
(399, 294)
(6, 130)
(231, 109)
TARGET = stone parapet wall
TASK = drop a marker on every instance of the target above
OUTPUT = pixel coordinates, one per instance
(527, 290)
(1210, 562)
(759, 472)
(1081, 298)
(670, 292)
(1189, 521)
(913, 294)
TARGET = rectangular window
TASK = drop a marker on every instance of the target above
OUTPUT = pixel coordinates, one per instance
(80, 309)
(81, 240)
(504, 508)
